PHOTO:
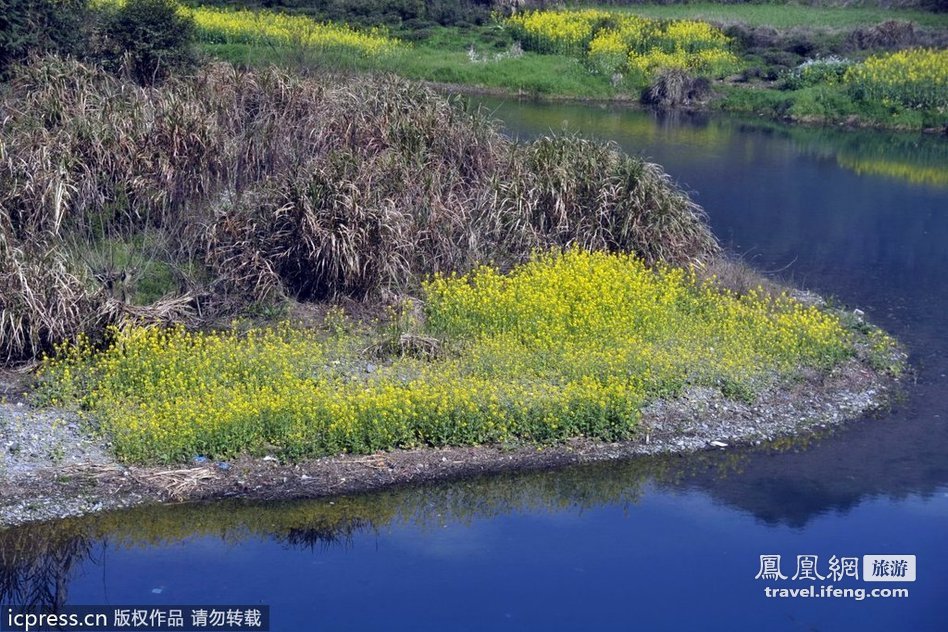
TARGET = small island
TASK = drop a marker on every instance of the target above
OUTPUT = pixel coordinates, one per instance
(259, 282)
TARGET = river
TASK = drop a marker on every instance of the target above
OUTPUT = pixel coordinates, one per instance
(662, 543)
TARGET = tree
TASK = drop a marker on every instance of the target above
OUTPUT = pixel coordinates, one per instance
(149, 38)
(42, 26)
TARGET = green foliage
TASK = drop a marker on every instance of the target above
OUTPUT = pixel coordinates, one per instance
(821, 102)
(408, 15)
(828, 70)
(41, 26)
(151, 39)
(828, 103)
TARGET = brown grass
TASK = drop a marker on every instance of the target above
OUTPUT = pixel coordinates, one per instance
(739, 277)
(674, 87)
(267, 184)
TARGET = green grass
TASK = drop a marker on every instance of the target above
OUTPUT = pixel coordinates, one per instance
(827, 104)
(531, 73)
(444, 58)
(789, 15)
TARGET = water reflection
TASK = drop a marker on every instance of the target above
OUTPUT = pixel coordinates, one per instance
(916, 158)
(414, 558)
(37, 561)
(857, 215)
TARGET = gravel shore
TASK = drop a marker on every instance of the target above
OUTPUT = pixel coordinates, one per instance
(51, 467)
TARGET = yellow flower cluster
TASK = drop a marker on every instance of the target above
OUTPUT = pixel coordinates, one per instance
(622, 42)
(565, 32)
(569, 344)
(244, 26)
(915, 78)
(693, 36)
(594, 314)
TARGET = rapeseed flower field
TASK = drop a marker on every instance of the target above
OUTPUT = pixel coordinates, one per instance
(569, 344)
(273, 28)
(617, 42)
(916, 78)
(242, 26)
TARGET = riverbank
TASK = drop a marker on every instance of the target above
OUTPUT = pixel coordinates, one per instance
(58, 462)
(59, 470)
(760, 110)
(775, 62)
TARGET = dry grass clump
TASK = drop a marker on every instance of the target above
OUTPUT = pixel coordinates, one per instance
(392, 187)
(736, 276)
(891, 34)
(41, 302)
(675, 87)
(260, 184)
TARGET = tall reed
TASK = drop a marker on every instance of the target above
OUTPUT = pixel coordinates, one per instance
(267, 183)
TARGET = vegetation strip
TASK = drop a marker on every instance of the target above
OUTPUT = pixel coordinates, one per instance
(261, 28)
(571, 344)
(851, 66)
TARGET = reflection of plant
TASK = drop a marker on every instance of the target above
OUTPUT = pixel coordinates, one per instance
(328, 522)
(933, 174)
(915, 158)
(36, 563)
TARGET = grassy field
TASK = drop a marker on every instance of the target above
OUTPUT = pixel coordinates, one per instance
(445, 60)
(788, 15)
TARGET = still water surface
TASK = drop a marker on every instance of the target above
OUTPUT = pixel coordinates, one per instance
(665, 543)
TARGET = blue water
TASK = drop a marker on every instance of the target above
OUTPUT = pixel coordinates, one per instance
(676, 559)
(666, 543)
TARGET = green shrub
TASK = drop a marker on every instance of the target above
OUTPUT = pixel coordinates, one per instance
(150, 39)
(813, 72)
(40, 26)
